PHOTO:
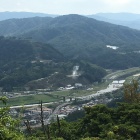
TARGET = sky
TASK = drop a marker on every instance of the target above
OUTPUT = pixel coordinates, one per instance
(61, 7)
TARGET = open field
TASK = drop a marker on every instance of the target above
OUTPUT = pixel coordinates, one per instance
(54, 96)
(31, 99)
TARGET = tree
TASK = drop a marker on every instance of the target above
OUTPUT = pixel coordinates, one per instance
(131, 92)
(8, 125)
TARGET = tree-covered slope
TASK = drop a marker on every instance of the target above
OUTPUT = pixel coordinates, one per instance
(18, 60)
(12, 27)
(41, 66)
(62, 75)
(20, 50)
(103, 123)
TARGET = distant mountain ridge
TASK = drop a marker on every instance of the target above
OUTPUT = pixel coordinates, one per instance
(120, 16)
(19, 15)
(126, 19)
(12, 27)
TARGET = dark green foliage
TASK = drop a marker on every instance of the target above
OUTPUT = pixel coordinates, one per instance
(22, 61)
(16, 58)
(68, 131)
(74, 116)
(88, 73)
(100, 121)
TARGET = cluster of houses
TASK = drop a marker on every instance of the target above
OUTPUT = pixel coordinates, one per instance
(118, 84)
(32, 114)
(64, 111)
(69, 87)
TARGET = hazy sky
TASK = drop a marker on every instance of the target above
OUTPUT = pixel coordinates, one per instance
(71, 6)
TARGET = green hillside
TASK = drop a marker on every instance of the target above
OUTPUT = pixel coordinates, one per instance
(12, 27)
(63, 75)
(24, 61)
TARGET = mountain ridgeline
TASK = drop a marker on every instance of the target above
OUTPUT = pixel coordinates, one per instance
(78, 37)
(20, 15)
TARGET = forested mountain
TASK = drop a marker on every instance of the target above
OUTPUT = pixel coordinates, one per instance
(63, 75)
(22, 61)
(11, 15)
(12, 27)
(19, 58)
(78, 37)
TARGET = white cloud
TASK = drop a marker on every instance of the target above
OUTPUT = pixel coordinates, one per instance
(71, 6)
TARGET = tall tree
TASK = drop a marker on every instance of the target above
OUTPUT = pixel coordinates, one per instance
(131, 93)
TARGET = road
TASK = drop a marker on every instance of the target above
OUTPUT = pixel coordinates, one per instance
(110, 88)
(55, 112)
(31, 105)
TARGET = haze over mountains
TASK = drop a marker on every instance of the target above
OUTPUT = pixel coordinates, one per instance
(19, 15)
(126, 19)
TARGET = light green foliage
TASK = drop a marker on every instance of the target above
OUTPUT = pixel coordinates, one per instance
(110, 135)
(58, 139)
(93, 138)
(8, 125)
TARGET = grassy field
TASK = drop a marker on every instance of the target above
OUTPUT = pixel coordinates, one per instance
(54, 96)
(30, 99)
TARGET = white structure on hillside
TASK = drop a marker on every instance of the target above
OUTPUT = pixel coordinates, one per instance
(112, 47)
(117, 83)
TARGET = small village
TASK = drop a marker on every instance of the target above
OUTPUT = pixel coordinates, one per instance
(63, 109)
